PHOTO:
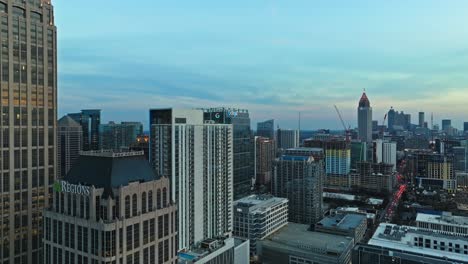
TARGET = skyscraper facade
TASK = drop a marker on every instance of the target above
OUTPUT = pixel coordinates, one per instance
(28, 118)
(266, 129)
(111, 208)
(446, 124)
(300, 179)
(264, 157)
(287, 138)
(244, 167)
(69, 144)
(89, 119)
(465, 127)
(364, 119)
(198, 158)
(119, 136)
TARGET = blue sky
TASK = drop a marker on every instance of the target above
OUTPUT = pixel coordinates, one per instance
(275, 58)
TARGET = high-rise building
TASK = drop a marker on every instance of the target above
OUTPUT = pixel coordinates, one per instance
(398, 121)
(198, 158)
(266, 129)
(287, 138)
(244, 167)
(421, 119)
(358, 153)
(264, 155)
(89, 119)
(258, 216)
(28, 115)
(69, 144)
(300, 179)
(111, 208)
(373, 177)
(385, 152)
(460, 158)
(119, 136)
(446, 124)
(465, 127)
(364, 119)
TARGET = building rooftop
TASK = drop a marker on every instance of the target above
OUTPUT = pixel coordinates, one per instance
(364, 101)
(296, 158)
(342, 221)
(446, 219)
(259, 203)
(110, 170)
(67, 121)
(401, 238)
(299, 237)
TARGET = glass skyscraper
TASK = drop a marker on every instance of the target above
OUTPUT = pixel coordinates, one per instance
(28, 125)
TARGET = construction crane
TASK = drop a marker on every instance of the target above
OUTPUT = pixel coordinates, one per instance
(347, 130)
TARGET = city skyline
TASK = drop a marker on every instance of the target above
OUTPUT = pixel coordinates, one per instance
(272, 58)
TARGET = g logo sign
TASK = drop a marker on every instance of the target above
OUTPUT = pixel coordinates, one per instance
(217, 115)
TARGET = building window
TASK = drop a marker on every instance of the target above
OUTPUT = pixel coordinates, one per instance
(164, 193)
(134, 205)
(143, 202)
(150, 201)
(158, 199)
(127, 206)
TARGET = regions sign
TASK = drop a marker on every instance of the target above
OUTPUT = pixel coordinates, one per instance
(64, 186)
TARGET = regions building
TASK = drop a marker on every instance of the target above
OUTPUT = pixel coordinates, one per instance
(69, 144)
(217, 251)
(296, 244)
(300, 179)
(197, 157)
(258, 216)
(445, 223)
(350, 225)
(407, 245)
(119, 136)
(110, 208)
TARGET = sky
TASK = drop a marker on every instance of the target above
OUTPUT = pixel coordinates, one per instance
(274, 58)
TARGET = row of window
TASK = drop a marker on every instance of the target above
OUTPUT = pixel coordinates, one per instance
(146, 202)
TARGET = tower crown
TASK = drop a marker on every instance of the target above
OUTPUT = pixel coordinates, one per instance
(364, 101)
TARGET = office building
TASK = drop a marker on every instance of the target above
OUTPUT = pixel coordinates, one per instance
(462, 180)
(198, 158)
(28, 115)
(445, 223)
(69, 144)
(110, 208)
(364, 119)
(266, 129)
(349, 225)
(217, 251)
(460, 158)
(431, 169)
(398, 121)
(300, 179)
(258, 216)
(243, 144)
(373, 177)
(446, 124)
(119, 136)
(405, 244)
(421, 119)
(385, 152)
(265, 153)
(89, 120)
(465, 127)
(295, 244)
(286, 139)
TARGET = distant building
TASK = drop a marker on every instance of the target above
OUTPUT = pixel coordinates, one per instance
(445, 223)
(266, 129)
(89, 120)
(406, 245)
(460, 158)
(300, 179)
(295, 244)
(119, 136)
(446, 124)
(465, 127)
(141, 144)
(287, 138)
(358, 153)
(198, 158)
(398, 121)
(243, 145)
(385, 152)
(421, 119)
(217, 251)
(69, 144)
(350, 225)
(373, 177)
(258, 216)
(364, 119)
(110, 207)
(462, 179)
(265, 154)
